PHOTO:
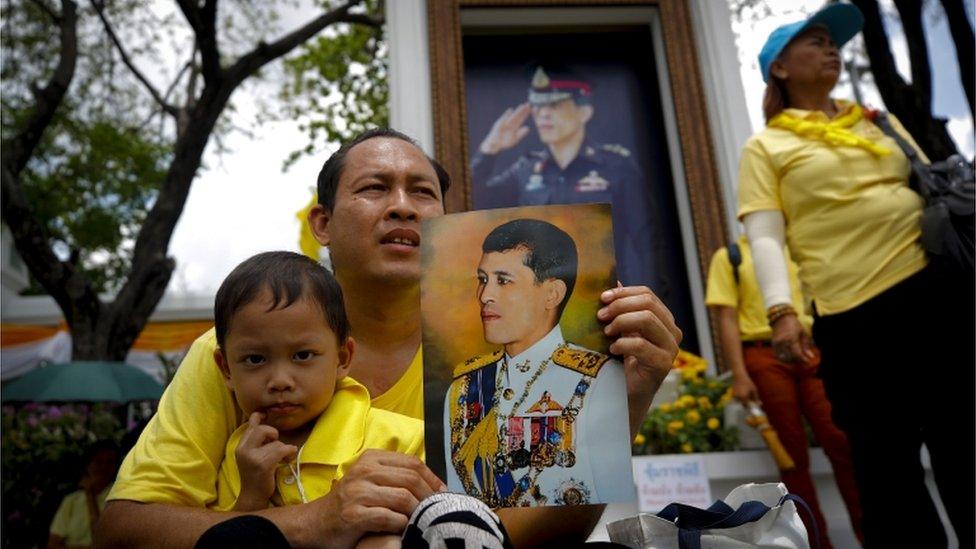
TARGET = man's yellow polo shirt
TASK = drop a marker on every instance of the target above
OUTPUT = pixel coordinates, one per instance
(347, 428)
(852, 222)
(746, 296)
(179, 453)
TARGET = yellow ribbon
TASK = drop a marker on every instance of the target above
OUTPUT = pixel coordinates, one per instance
(483, 443)
(306, 240)
(834, 132)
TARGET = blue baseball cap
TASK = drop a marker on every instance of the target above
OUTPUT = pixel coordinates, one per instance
(843, 22)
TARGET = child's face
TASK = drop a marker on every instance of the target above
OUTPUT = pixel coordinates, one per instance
(283, 363)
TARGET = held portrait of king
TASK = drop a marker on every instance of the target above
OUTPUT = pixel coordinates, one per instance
(540, 421)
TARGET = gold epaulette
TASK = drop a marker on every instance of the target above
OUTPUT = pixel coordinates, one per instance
(479, 361)
(580, 360)
(619, 149)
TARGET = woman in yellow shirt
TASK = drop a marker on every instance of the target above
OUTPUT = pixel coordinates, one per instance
(78, 512)
(826, 180)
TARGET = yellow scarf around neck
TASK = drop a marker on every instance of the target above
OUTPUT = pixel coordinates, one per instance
(834, 132)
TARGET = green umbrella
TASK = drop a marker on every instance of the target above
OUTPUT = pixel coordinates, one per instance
(83, 381)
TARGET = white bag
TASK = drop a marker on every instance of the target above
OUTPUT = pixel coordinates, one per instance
(753, 515)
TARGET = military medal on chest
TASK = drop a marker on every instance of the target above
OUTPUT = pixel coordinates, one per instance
(592, 182)
(526, 449)
(535, 179)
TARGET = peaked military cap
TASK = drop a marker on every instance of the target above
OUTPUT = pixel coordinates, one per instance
(550, 85)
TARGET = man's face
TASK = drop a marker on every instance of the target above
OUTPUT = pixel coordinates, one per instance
(560, 121)
(386, 188)
(516, 311)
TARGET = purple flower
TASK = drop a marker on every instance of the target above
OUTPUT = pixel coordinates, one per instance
(33, 421)
(54, 412)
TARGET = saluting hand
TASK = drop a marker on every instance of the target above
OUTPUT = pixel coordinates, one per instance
(508, 130)
(258, 455)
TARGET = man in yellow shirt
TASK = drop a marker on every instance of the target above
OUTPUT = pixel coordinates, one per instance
(788, 390)
(373, 194)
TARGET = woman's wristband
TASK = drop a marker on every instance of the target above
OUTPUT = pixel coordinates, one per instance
(777, 312)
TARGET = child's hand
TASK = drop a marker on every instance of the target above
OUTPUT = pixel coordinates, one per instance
(258, 455)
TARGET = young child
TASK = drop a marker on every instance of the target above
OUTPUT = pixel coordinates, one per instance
(284, 350)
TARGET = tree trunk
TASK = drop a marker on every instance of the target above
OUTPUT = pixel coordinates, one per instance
(106, 331)
(911, 103)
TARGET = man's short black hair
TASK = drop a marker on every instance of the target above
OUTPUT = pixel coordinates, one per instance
(551, 253)
(331, 171)
(289, 277)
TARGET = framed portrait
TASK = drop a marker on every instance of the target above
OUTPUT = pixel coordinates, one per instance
(532, 407)
(548, 102)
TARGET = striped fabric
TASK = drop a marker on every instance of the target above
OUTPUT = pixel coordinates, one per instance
(455, 521)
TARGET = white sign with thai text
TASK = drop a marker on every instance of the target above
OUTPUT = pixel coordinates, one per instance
(672, 478)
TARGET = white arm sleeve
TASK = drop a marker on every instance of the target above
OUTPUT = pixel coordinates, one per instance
(766, 232)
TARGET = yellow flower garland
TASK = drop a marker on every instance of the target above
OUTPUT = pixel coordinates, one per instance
(834, 133)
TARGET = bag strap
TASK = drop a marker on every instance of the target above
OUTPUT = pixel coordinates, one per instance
(881, 120)
(813, 518)
(691, 520)
(735, 258)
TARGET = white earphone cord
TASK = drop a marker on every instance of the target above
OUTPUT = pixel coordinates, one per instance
(296, 471)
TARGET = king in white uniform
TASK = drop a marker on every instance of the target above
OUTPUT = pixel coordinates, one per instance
(545, 427)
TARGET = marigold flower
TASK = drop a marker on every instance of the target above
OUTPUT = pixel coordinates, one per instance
(693, 417)
(675, 426)
(687, 448)
(640, 439)
(666, 407)
(712, 423)
(687, 400)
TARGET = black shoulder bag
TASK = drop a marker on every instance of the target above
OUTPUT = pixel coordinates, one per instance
(735, 258)
(949, 190)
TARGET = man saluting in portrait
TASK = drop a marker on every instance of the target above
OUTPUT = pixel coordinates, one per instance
(540, 421)
(572, 168)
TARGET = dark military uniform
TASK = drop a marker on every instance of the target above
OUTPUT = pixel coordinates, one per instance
(599, 173)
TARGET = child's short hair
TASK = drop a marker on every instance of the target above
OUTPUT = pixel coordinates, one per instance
(288, 276)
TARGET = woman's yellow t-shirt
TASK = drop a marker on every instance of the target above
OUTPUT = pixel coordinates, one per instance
(852, 222)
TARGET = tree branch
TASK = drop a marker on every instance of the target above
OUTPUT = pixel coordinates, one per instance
(265, 53)
(902, 99)
(20, 148)
(963, 39)
(176, 80)
(207, 40)
(910, 13)
(99, 9)
(30, 236)
(47, 9)
(204, 24)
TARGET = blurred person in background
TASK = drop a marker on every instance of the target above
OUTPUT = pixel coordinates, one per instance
(789, 392)
(79, 510)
